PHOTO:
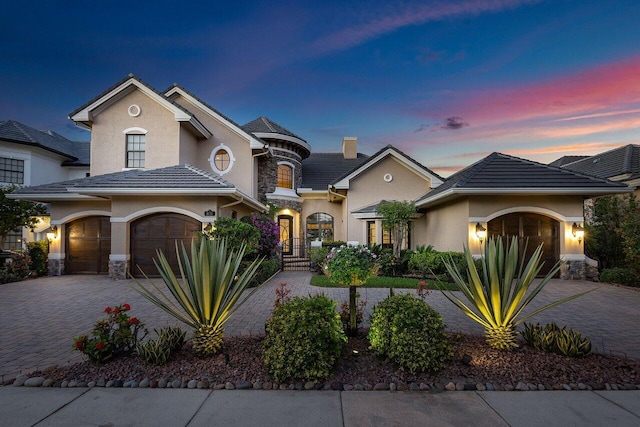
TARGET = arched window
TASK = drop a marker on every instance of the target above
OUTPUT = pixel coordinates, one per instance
(320, 226)
(285, 176)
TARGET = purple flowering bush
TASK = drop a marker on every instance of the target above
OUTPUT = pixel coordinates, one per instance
(269, 233)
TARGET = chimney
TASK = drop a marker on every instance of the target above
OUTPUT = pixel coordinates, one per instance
(349, 147)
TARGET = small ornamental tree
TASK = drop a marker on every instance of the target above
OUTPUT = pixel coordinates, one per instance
(351, 266)
(396, 218)
(15, 214)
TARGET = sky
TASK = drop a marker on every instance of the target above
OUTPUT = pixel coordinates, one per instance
(447, 82)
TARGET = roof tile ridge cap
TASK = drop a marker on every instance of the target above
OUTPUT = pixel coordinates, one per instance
(203, 173)
(268, 123)
(628, 159)
(24, 132)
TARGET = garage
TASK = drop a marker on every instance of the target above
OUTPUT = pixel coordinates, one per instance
(159, 231)
(88, 245)
(532, 228)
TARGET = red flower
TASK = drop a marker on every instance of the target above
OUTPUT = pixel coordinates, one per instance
(107, 310)
(100, 345)
(79, 344)
(116, 310)
(126, 307)
(134, 321)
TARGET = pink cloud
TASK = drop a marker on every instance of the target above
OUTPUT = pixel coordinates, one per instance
(594, 91)
(417, 14)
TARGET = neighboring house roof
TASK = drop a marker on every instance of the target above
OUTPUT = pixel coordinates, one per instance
(172, 180)
(503, 174)
(19, 133)
(621, 162)
(84, 114)
(343, 181)
(566, 159)
(319, 170)
(174, 89)
(82, 151)
(265, 128)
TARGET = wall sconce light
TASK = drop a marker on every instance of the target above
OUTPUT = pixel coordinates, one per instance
(578, 232)
(53, 233)
(481, 232)
(209, 228)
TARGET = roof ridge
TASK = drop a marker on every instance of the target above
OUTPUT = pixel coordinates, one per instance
(268, 123)
(22, 130)
(205, 174)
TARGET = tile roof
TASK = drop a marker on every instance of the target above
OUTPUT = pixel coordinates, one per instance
(265, 125)
(19, 133)
(500, 173)
(619, 161)
(321, 169)
(369, 209)
(566, 159)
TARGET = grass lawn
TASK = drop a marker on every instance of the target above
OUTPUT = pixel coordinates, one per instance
(382, 282)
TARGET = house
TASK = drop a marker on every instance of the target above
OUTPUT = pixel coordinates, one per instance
(31, 157)
(165, 164)
(620, 164)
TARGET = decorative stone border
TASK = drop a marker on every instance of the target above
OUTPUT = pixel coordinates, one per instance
(25, 381)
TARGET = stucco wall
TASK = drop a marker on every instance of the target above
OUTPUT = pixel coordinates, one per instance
(370, 188)
(446, 226)
(40, 166)
(316, 204)
(108, 142)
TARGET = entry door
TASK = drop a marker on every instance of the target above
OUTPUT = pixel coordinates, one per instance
(286, 233)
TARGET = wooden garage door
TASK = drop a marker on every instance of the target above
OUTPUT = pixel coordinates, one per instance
(159, 231)
(534, 228)
(88, 245)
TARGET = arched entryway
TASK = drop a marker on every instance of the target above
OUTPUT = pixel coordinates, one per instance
(285, 222)
(88, 245)
(533, 228)
(160, 231)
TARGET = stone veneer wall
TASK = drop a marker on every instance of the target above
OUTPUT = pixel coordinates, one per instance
(55, 267)
(268, 172)
(573, 270)
(118, 270)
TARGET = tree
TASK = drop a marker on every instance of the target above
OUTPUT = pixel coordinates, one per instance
(396, 218)
(604, 239)
(15, 214)
(630, 231)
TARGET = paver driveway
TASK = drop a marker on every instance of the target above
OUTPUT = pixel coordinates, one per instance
(39, 318)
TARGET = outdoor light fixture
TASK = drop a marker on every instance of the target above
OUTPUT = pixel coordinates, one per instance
(481, 232)
(578, 232)
(52, 234)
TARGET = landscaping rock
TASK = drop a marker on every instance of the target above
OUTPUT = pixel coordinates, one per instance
(450, 387)
(582, 386)
(309, 385)
(110, 383)
(81, 384)
(145, 383)
(393, 386)
(480, 387)
(459, 386)
(469, 387)
(64, 384)
(229, 386)
(34, 382)
(336, 385)
(192, 384)
(381, 387)
(48, 382)
(118, 383)
(243, 385)
(318, 386)
(368, 387)
(219, 387)
(424, 387)
(414, 387)
(267, 386)
(176, 384)
(348, 387)
(490, 387)
(298, 386)
(522, 386)
(91, 384)
(358, 387)
(566, 386)
(508, 387)
(162, 383)
(257, 385)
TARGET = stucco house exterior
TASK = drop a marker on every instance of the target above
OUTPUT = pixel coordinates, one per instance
(165, 164)
(30, 157)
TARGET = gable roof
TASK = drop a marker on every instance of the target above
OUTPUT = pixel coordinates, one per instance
(174, 89)
(319, 170)
(264, 128)
(343, 181)
(19, 133)
(83, 115)
(623, 160)
(566, 159)
(172, 180)
(503, 174)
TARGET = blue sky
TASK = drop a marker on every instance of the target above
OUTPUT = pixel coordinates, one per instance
(448, 82)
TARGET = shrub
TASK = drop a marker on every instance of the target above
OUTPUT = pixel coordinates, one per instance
(38, 251)
(114, 336)
(424, 261)
(552, 339)
(317, 257)
(268, 268)
(621, 276)
(269, 234)
(304, 339)
(16, 268)
(158, 351)
(410, 333)
(237, 233)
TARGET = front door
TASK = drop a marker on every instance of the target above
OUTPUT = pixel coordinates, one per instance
(286, 233)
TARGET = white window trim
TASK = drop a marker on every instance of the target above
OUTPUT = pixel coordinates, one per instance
(135, 131)
(212, 159)
(293, 179)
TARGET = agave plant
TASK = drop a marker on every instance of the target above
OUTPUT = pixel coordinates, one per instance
(208, 292)
(501, 291)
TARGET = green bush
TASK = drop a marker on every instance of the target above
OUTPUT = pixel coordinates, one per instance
(423, 261)
(317, 256)
(158, 351)
(391, 265)
(552, 339)
(410, 333)
(304, 339)
(16, 268)
(237, 233)
(38, 251)
(621, 276)
(268, 268)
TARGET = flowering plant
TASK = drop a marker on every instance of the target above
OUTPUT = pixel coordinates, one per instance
(111, 337)
(269, 233)
(350, 265)
(283, 295)
(422, 290)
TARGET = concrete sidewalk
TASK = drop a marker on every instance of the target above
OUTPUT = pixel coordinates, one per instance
(184, 407)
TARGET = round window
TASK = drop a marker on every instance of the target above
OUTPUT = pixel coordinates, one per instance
(221, 160)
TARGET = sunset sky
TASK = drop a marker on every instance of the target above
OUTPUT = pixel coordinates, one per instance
(448, 82)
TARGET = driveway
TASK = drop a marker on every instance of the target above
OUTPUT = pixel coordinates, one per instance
(39, 318)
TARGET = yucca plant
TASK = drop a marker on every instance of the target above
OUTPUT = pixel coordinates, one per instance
(501, 292)
(208, 292)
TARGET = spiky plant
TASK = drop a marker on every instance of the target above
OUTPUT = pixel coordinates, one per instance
(501, 292)
(208, 292)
